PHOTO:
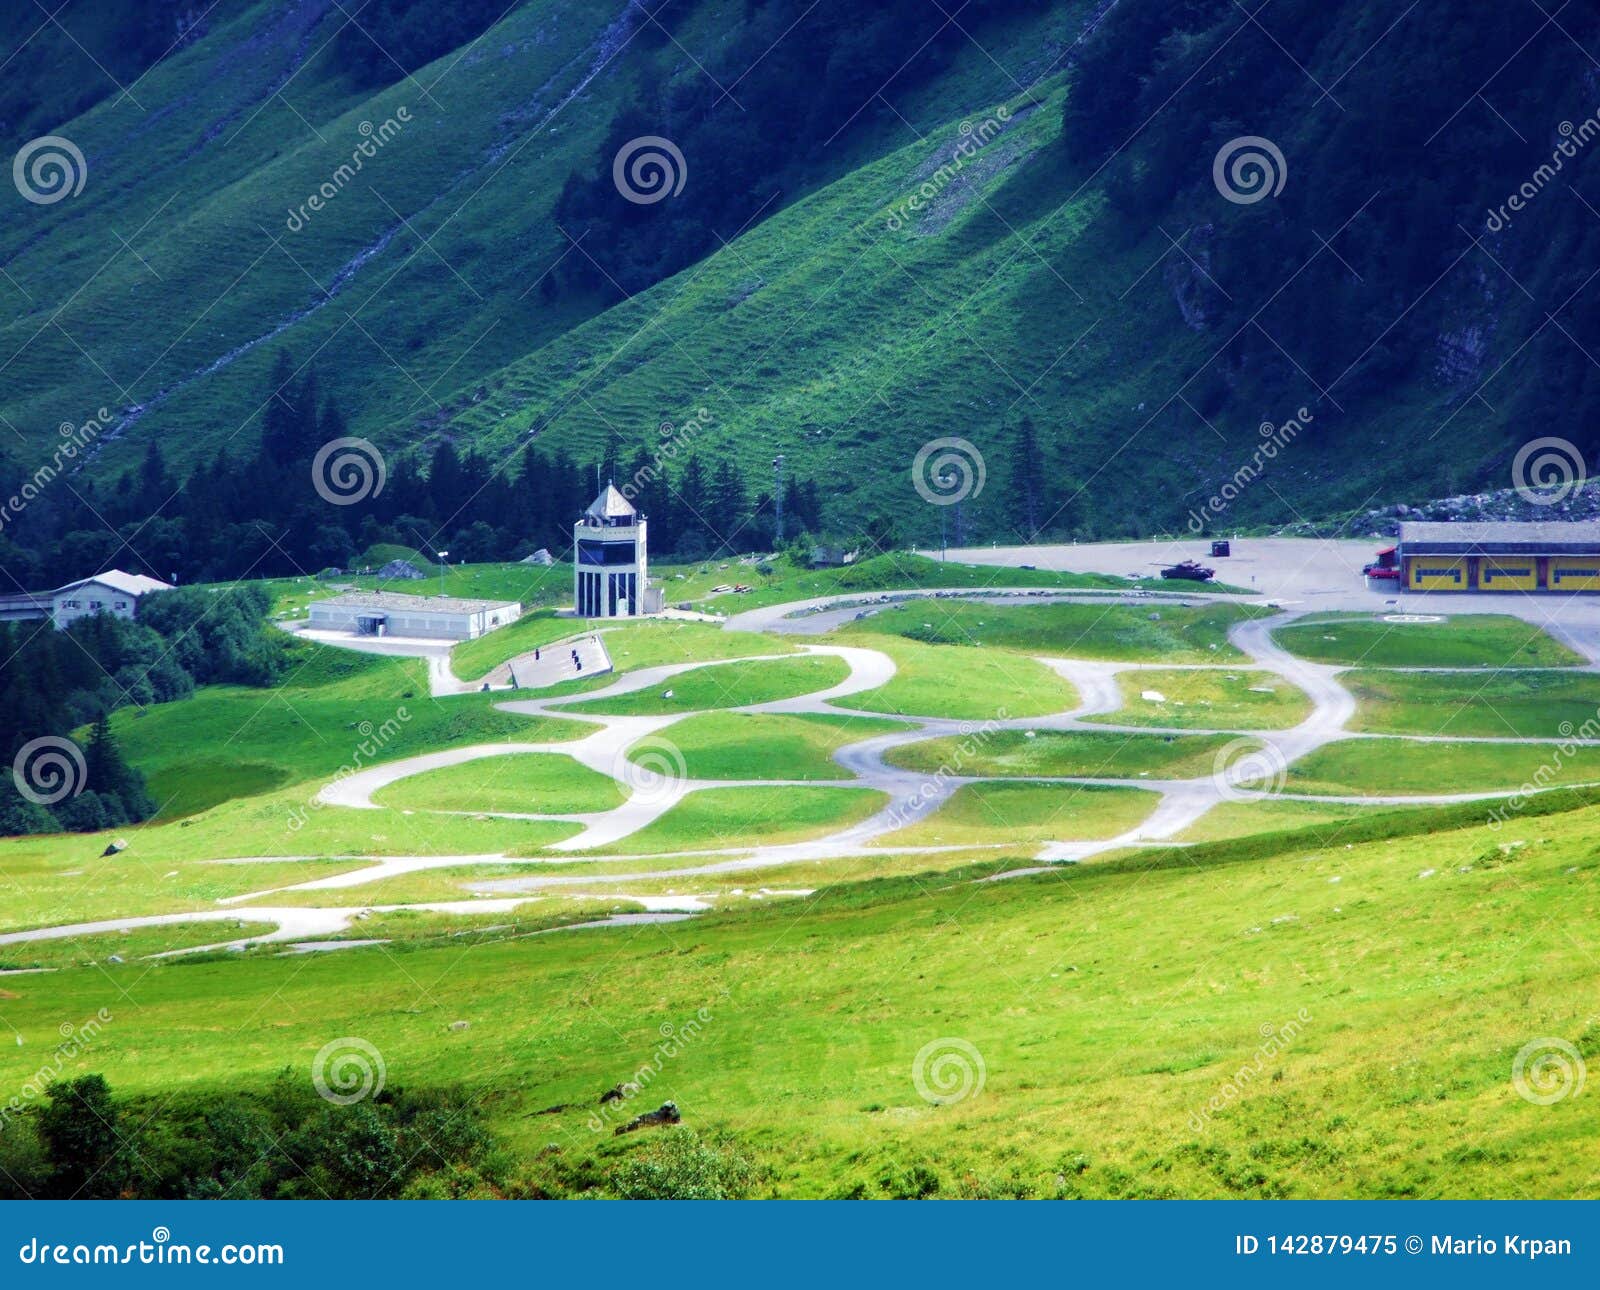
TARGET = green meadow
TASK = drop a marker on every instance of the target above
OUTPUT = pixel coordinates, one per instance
(1529, 704)
(1409, 982)
(1207, 698)
(1047, 753)
(1157, 632)
(1461, 640)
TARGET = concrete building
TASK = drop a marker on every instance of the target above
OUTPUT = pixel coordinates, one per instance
(610, 576)
(111, 592)
(1547, 555)
(388, 613)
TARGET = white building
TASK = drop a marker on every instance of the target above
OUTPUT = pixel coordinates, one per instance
(112, 592)
(610, 569)
(388, 613)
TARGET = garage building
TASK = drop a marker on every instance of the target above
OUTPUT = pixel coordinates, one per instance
(388, 613)
(1548, 555)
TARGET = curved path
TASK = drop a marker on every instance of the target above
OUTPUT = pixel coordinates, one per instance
(910, 795)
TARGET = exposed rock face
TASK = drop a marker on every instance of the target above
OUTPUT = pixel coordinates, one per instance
(401, 569)
(1185, 274)
(1583, 503)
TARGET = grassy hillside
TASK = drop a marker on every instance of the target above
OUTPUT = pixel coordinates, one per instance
(979, 243)
(420, 277)
(1111, 1064)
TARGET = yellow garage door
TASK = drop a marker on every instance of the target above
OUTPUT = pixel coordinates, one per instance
(1508, 575)
(1575, 573)
(1438, 575)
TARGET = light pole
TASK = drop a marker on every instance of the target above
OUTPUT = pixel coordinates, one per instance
(443, 557)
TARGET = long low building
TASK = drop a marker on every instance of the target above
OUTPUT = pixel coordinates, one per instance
(1547, 555)
(387, 613)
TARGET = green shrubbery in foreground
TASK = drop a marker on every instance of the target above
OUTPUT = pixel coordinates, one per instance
(286, 1142)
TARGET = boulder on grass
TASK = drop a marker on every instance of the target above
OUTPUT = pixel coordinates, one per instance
(666, 1113)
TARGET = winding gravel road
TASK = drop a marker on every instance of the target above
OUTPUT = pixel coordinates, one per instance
(1257, 758)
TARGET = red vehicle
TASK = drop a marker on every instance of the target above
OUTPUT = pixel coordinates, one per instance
(1386, 566)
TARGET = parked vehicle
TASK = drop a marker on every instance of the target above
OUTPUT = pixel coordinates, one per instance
(1386, 567)
(1188, 571)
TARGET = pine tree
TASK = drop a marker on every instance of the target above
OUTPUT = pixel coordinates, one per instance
(1026, 469)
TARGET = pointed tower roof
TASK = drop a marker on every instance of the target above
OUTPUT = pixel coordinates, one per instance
(610, 505)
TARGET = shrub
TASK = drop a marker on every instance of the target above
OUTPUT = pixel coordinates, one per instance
(684, 1166)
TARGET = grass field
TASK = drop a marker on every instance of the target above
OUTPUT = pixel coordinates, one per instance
(1015, 814)
(1534, 705)
(727, 685)
(1163, 632)
(335, 708)
(714, 818)
(1378, 766)
(1050, 752)
(1464, 640)
(1112, 1004)
(1409, 998)
(1206, 698)
(737, 745)
(949, 681)
(537, 783)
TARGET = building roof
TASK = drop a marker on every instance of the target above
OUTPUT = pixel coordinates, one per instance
(610, 505)
(1500, 537)
(132, 584)
(394, 602)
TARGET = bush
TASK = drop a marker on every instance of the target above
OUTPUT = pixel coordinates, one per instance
(683, 1166)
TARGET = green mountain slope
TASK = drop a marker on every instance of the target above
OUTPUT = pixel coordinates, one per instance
(163, 289)
(1018, 224)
